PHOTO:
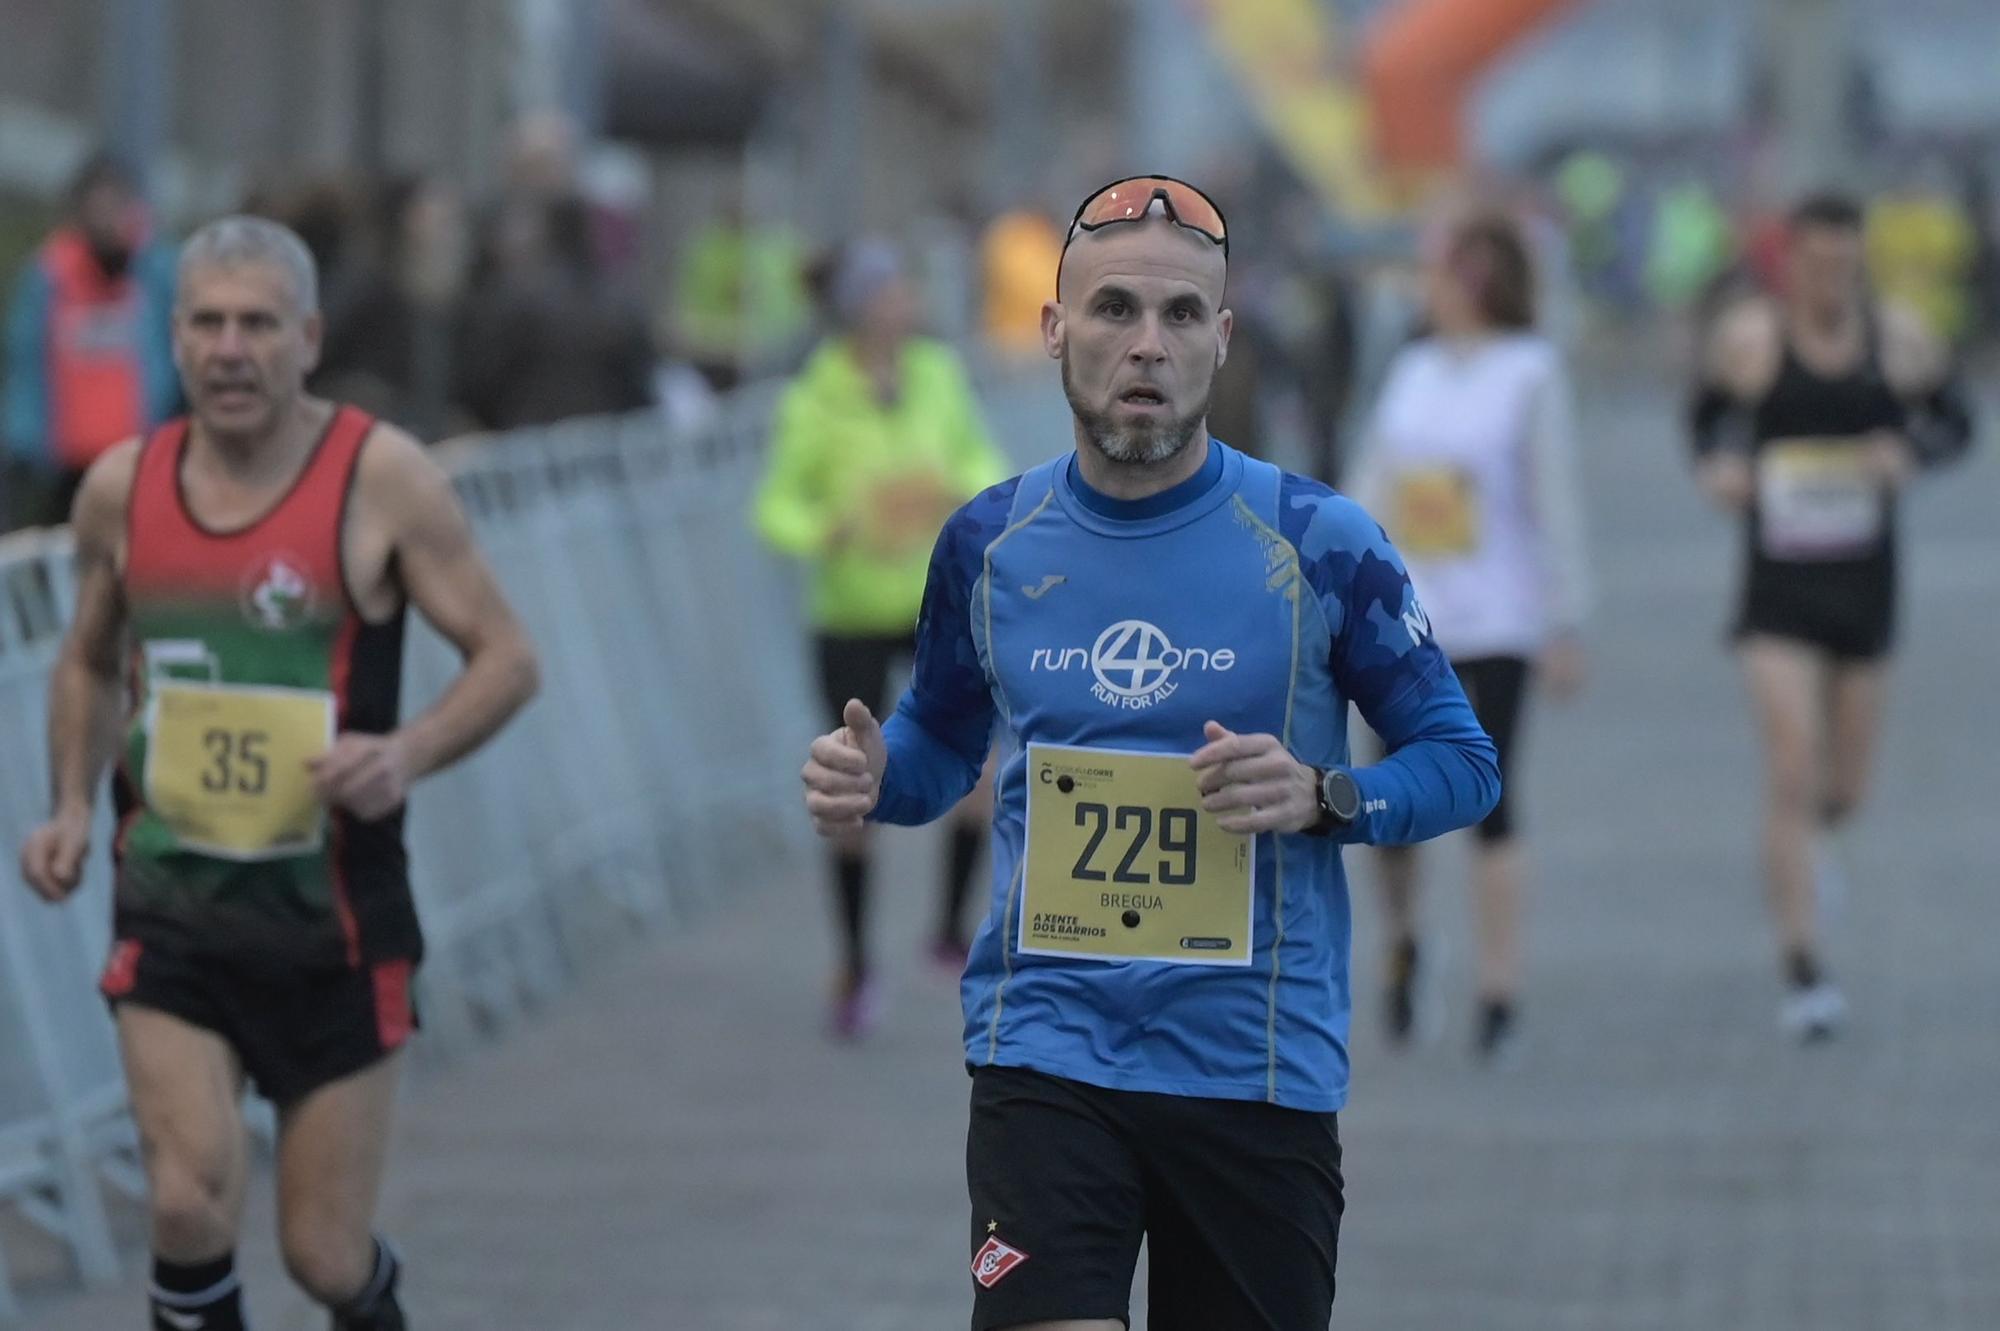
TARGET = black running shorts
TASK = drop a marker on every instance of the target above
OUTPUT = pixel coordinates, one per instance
(1497, 688)
(1239, 1203)
(859, 666)
(294, 1034)
(1847, 610)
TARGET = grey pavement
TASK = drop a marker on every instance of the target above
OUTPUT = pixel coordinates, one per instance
(672, 1144)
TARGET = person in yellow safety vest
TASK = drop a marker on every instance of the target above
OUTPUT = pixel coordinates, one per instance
(877, 440)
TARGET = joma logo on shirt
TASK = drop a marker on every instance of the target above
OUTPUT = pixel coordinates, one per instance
(1134, 663)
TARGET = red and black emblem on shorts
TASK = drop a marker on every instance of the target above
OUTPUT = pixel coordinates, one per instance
(121, 972)
(994, 1260)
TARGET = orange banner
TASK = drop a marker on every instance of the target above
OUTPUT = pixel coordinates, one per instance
(1423, 58)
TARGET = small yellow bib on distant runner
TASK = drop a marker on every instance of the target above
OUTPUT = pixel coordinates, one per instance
(1436, 513)
(1122, 862)
(226, 767)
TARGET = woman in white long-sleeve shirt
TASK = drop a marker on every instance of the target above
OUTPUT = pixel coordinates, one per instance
(1470, 465)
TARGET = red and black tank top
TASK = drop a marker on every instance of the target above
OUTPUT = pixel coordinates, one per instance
(248, 656)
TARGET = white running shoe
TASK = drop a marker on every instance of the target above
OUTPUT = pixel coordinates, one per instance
(1813, 1014)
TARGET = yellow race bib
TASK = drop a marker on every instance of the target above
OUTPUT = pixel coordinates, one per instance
(1435, 513)
(1122, 862)
(226, 767)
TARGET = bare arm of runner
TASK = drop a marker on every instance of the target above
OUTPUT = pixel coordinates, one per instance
(1739, 365)
(449, 581)
(1938, 427)
(84, 693)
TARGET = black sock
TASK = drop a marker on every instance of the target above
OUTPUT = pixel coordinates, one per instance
(1801, 971)
(1403, 959)
(961, 858)
(1496, 1023)
(850, 878)
(375, 1307)
(198, 1296)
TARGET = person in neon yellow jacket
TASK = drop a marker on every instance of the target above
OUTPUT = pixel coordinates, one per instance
(876, 442)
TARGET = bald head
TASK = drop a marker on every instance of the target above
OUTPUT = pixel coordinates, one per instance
(1154, 245)
(1139, 327)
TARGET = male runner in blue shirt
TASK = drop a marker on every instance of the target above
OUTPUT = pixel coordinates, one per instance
(1156, 1005)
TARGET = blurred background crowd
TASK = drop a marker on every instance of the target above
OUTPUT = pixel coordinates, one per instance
(526, 210)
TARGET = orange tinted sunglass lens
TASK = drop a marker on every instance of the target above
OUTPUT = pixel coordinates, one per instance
(1129, 199)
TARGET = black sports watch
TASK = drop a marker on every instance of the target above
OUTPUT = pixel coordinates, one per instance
(1339, 801)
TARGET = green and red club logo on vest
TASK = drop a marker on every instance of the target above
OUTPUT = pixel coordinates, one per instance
(277, 596)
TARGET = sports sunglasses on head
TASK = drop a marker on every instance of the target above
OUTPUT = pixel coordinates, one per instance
(1131, 199)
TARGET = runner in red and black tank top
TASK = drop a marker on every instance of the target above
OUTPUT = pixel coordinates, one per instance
(1823, 570)
(264, 606)
(241, 581)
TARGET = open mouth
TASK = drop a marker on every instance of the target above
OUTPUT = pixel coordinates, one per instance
(1143, 397)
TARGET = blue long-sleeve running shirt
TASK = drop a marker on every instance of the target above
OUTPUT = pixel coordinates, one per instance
(1245, 595)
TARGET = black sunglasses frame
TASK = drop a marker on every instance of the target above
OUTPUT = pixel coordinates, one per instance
(1076, 222)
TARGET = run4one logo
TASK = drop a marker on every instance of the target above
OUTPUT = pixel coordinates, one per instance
(994, 1260)
(276, 595)
(1134, 663)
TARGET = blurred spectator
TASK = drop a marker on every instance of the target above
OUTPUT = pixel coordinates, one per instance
(1284, 388)
(1557, 300)
(1316, 328)
(875, 443)
(548, 335)
(392, 318)
(1236, 402)
(943, 241)
(1689, 247)
(1922, 247)
(1471, 468)
(328, 215)
(739, 297)
(542, 167)
(89, 356)
(1017, 255)
(1980, 208)
(1592, 188)
(541, 154)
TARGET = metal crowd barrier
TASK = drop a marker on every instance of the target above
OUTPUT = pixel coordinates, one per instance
(62, 1093)
(655, 772)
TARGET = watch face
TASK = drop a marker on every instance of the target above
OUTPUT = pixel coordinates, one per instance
(1341, 795)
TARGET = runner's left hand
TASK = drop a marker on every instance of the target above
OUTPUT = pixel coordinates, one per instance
(1253, 784)
(365, 774)
(1892, 457)
(1561, 666)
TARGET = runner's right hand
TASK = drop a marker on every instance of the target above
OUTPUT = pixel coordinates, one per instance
(1728, 481)
(843, 774)
(52, 857)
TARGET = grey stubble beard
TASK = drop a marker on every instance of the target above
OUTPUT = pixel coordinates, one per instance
(1132, 446)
